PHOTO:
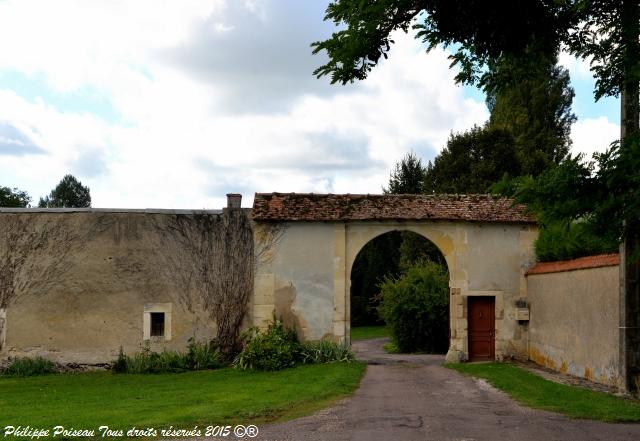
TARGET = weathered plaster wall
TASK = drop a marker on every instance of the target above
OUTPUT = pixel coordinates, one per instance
(574, 322)
(308, 282)
(297, 284)
(97, 304)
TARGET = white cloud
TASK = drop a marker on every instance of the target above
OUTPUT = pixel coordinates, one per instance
(592, 135)
(180, 146)
(578, 67)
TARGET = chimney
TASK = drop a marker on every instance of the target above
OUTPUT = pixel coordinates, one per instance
(233, 200)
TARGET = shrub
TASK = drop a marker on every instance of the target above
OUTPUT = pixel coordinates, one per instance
(27, 367)
(199, 356)
(271, 350)
(562, 241)
(203, 356)
(415, 307)
(278, 348)
(325, 351)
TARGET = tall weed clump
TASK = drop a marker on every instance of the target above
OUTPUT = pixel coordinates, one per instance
(278, 347)
(325, 351)
(199, 356)
(29, 367)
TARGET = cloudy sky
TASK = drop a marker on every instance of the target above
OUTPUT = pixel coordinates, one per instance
(173, 104)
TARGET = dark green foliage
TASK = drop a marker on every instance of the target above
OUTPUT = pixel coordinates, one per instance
(562, 241)
(274, 349)
(69, 193)
(202, 356)
(472, 161)
(121, 363)
(415, 307)
(563, 193)
(535, 107)
(29, 367)
(618, 185)
(415, 248)
(199, 356)
(378, 258)
(407, 176)
(14, 198)
(580, 204)
(278, 348)
(483, 33)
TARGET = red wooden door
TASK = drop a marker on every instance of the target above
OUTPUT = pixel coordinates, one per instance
(481, 328)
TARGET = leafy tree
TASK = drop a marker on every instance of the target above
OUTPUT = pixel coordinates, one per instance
(536, 110)
(605, 31)
(14, 198)
(407, 176)
(581, 204)
(472, 161)
(69, 193)
(482, 34)
(490, 46)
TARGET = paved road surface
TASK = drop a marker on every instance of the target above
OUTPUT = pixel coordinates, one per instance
(412, 397)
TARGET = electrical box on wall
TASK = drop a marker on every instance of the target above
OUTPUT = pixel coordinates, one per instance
(522, 314)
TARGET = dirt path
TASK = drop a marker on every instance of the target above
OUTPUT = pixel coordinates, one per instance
(412, 397)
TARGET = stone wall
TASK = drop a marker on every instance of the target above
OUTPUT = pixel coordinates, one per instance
(112, 274)
(574, 318)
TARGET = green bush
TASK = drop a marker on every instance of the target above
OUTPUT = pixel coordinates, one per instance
(199, 356)
(325, 351)
(28, 367)
(415, 307)
(278, 348)
(202, 356)
(271, 350)
(562, 241)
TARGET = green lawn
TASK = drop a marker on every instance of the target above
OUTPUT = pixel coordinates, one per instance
(225, 396)
(533, 390)
(367, 332)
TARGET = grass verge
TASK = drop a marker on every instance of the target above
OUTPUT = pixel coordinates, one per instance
(368, 332)
(534, 391)
(391, 348)
(224, 396)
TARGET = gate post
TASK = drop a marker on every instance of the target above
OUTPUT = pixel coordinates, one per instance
(341, 331)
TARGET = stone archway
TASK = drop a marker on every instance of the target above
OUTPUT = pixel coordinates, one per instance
(487, 243)
(389, 255)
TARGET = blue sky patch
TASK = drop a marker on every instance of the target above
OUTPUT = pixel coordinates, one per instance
(84, 100)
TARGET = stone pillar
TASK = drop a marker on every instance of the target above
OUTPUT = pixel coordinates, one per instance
(457, 327)
(341, 329)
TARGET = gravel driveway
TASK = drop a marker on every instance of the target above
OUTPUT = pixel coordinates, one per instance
(412, 397)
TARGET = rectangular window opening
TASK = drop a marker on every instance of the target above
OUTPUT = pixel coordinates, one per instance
(157, 324)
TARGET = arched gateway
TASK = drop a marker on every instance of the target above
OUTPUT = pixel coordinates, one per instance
(486, 241)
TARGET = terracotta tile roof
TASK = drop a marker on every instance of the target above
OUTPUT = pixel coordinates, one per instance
(575, 264)
(339, 207)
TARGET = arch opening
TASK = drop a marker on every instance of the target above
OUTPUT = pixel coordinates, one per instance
(397, 264)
